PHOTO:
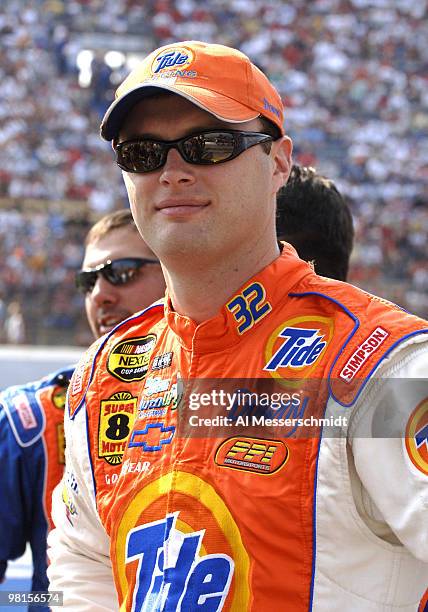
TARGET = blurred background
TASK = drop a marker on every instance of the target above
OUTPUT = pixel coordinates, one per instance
(352, 74)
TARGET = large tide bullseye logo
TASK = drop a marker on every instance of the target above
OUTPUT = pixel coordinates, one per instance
(190, 554)
(295, 348)
(417, 437)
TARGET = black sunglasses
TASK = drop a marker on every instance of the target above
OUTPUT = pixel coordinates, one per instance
(203, 148)
(116, 272)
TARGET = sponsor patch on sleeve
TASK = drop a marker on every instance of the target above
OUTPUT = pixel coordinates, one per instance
(417, 437)
(80, 378)
(362, 353)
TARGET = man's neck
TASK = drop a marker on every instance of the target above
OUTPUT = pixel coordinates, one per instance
(198, 290)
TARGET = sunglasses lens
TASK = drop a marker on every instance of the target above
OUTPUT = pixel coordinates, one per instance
(121, 271)
(141, 156)
(209, 148)
(85, 281)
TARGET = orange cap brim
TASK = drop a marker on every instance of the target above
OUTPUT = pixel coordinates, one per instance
(224, 108)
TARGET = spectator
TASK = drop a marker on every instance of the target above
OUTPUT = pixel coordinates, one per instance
(314, 217)
(14, 325)
(120, 275)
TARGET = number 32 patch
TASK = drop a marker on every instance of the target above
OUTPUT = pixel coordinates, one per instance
(117, 416)
(249, 306)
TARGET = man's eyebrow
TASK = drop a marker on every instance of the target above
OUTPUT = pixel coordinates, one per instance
(193, 130)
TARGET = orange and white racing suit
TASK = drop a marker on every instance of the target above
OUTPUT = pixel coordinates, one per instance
(206, 502)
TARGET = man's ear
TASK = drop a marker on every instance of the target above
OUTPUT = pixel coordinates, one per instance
(114, 143)
(281, 152)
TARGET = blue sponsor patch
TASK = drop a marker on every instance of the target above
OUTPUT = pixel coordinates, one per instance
(302, 347)
(153, 437)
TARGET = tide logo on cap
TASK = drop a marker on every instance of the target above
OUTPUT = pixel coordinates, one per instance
(417, 437)
(295, 347)
(172, 58)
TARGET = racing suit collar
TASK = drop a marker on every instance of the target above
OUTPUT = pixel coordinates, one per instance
(222, 330)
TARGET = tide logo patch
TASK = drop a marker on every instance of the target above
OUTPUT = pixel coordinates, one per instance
(129, 360)
(117, 416)
(295, 347)
(172, 58)
(182, 559)
(252, 455)
(183, 577)
(417, 437)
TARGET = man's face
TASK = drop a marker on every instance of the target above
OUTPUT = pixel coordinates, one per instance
(200, 213)
(107, 304)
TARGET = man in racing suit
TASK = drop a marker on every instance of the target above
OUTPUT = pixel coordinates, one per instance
(32, 415)
(196, 492)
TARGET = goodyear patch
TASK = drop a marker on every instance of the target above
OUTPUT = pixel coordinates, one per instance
(129, 360)
(417, 437)
(295, 347)
(255, 455)
(117, 417)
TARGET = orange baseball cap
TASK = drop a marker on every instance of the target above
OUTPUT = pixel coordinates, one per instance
(218, 79)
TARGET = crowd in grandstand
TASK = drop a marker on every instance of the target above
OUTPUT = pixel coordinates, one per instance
(351, 73)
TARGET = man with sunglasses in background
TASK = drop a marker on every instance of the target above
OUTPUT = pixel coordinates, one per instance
(268, 517)
(120, 275)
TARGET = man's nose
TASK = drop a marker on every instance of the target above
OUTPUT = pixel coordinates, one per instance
(176, 170)
(103, 292)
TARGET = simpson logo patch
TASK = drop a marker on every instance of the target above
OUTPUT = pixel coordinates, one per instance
(295, 347)
(129, 360)
(252, 455)
(363, 353)
(417, 437)
(117, 416)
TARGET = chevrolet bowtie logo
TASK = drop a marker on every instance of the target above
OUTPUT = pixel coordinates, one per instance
(153, 437)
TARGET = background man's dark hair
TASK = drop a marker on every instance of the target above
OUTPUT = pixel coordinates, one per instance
(314, 217)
